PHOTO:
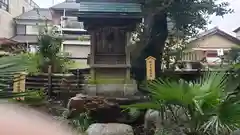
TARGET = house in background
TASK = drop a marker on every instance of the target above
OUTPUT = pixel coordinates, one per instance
(9, 9)
(207, 44)
(76, 40)
(237, 31)
(27, 26)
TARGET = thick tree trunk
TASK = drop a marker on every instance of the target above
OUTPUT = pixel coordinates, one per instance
(158, 34)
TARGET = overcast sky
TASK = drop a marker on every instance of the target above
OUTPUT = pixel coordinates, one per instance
(228, 23)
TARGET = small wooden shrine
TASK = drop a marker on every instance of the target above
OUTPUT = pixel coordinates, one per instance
(110, 23)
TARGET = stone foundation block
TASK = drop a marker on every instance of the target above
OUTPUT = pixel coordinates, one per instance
(111, 90)
(130, 89)
(91, 89)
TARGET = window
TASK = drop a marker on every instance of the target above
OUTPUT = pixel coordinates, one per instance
(32, 29)
(21, 29)
(4, 4)
(23, 9)
(212, 54)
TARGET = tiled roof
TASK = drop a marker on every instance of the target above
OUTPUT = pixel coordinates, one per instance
(5, 41)
(100, 6)
(66, 5)
(34, 38)
(120, 1)
(35, 14)
(110, 7)
(237, 30)
(25, 39)
(216, 30)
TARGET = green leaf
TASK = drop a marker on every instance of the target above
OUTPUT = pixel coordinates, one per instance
(147, 105)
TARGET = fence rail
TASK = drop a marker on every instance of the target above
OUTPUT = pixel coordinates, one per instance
(71, 83)
(58, 83)
(52, 84)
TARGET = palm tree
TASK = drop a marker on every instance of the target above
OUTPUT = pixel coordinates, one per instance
(208, 106)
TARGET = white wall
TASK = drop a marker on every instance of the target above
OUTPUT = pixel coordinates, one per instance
(77, 51)
(6, 18)
(32, 29)
(213, 60)
(15, 7)
(6, 24)
(238, 34)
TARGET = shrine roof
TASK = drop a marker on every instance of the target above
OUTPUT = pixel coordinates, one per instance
(109, 7)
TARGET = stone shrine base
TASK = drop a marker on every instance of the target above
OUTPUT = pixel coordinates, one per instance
(113, 90)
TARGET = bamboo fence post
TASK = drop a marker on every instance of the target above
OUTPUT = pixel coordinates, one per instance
(49, 81)
(19, 83)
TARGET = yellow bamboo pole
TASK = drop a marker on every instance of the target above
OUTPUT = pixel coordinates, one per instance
(19, 81)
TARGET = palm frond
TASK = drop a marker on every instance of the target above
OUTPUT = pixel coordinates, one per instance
(9, 94)
(143, 106)
(10, 65)
(205, 101)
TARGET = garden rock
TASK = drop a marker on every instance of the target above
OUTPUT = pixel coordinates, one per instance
(109, 129)
(154, 123)
(84, 103)
(101, 109)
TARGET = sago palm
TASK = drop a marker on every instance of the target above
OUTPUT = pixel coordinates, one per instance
(206, 106)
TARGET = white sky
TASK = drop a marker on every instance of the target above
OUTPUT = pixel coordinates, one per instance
(228, 23)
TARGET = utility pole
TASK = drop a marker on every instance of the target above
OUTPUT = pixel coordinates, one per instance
(53, 2)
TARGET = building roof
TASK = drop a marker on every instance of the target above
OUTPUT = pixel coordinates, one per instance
(33, 39)
(35, 14)
(25, 38)
(217, 31)
(237, 30)
(129, 6)
(111, 7)
(120, 1)
(66, 5)
(5, 41)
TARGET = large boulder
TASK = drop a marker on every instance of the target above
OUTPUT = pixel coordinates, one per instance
(102, 109)
(83, 103)
(109, 129)
(99, 108)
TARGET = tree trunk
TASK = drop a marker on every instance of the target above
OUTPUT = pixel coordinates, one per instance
(158, 36)
(158, 32)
